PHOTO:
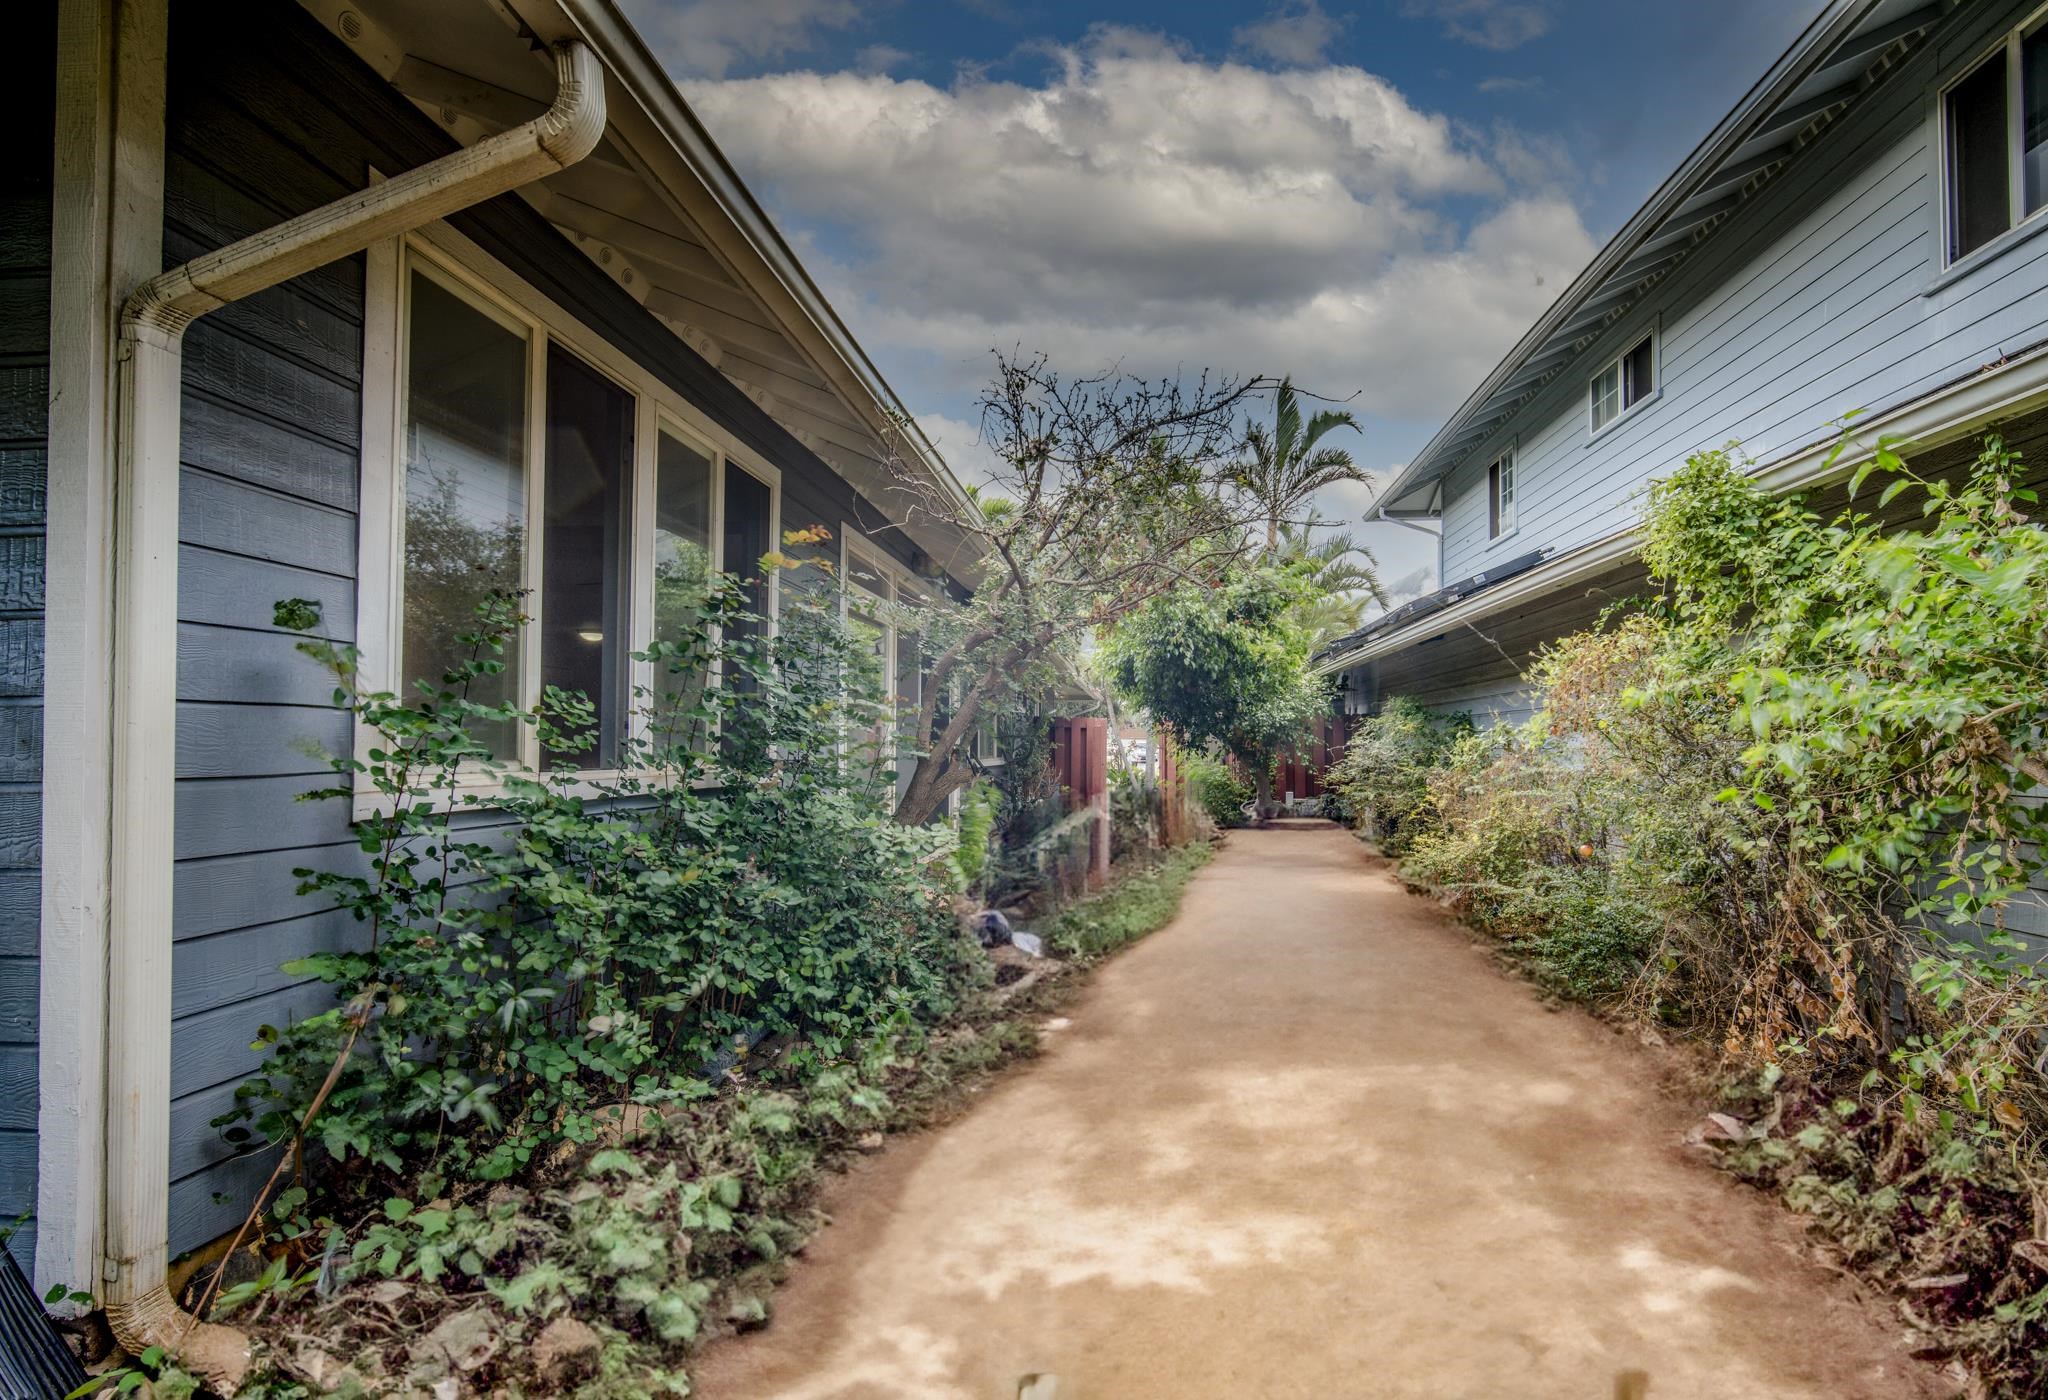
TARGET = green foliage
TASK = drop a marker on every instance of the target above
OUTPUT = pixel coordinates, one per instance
(1383, 776)
(530, 960)
(1225, 665)
(1286, 465)
(1113, 490)
(1217, 787)
(975, 826)
(1141, 902)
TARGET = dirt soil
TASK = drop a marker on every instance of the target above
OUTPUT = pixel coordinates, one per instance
(1310, 1141)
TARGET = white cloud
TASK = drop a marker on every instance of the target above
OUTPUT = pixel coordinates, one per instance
(880, 58)
(712, 37)
(1297, 32)
(1505, 84)
(1486, 24)
(1144, 207)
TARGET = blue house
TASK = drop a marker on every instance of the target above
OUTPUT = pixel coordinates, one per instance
(1862, 233)
(294, 279)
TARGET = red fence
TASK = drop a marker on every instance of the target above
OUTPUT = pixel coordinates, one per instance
(1300, 770)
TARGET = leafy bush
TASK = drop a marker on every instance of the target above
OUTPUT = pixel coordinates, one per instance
(1216, 788)
(515, 984)
(1382, 779)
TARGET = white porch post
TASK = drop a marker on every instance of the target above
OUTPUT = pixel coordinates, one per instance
(107, 236)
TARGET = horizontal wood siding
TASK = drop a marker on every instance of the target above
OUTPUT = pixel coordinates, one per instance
(271, 116)
(1820, 298)
(24, 428)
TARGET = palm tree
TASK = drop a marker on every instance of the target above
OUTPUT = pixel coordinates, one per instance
(1284, 466)
(1344, 574)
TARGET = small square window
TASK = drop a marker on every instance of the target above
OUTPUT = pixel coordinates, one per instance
(1622, 383)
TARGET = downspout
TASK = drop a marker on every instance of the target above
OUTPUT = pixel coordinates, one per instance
(153, 321)
(1437, 534)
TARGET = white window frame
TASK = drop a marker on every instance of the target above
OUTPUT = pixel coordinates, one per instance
(1506, 464)
(495, 290)
(2012, 45)
(1654, 334)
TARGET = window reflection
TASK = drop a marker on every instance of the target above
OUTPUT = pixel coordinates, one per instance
(465, 491)
(682, 570)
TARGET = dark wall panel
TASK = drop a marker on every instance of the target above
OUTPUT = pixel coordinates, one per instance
(24, 429)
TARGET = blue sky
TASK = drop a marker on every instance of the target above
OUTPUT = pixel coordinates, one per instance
(1376, 198)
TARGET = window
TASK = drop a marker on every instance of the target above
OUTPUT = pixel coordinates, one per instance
(465, 487)
(527, 455)
(583, 646)
(877, 590)
(1623, 383)
(1500, 497)
(683, 511)
(1995, 141)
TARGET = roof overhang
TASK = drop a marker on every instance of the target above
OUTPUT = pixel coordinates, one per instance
(657, 189)
(1848, 49)
(1994, 393)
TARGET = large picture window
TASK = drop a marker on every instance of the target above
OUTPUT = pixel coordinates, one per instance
(529, 457)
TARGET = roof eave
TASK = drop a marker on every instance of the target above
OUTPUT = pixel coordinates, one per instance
(1819, 39)
(807, 314)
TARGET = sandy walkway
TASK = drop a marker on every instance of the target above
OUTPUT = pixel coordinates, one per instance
(1307, 1141)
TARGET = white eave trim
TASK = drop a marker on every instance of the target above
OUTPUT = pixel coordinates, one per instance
(2004, 390)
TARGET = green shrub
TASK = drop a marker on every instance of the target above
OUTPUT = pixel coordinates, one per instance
(1381, 782)
(974, 828)
(1216, 788)
(512, 982)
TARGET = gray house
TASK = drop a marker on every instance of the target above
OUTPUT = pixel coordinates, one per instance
(470, 265)
(1860, 233)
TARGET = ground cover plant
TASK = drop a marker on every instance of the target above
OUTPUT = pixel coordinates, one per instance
(1142, 901)
(1788, 808)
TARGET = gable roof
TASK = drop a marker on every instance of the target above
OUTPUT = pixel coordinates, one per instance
(1847, 50)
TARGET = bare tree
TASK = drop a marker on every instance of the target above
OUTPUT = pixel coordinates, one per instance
(1117, 489)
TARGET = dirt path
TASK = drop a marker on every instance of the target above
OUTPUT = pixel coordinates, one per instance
(1308, 1141)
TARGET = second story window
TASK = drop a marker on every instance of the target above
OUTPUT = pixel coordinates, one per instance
(1994, 123)
(1500, 497)
(1624, 382)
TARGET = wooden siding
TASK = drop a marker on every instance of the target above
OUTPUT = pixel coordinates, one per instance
(1821, 298)
(24, 373)
(270, 116)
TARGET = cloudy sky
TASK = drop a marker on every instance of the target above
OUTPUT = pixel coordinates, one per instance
(1375, 197)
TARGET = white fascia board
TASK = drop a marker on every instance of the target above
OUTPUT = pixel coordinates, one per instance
(2000, 391)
